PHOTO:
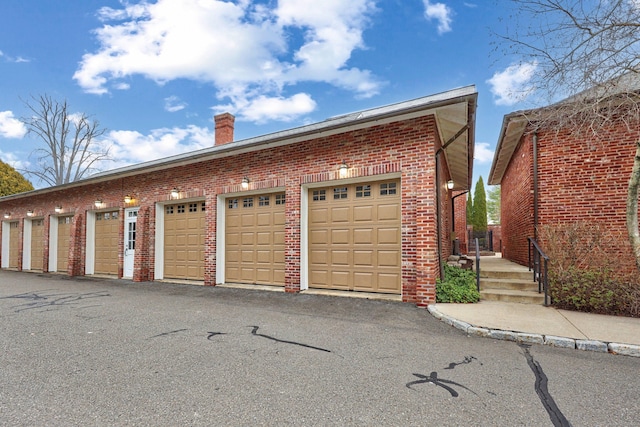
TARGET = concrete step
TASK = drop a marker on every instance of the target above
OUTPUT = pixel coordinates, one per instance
(509, 295)
(513, 284)
(505, 274)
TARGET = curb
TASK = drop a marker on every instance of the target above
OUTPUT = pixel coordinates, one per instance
(530, 338)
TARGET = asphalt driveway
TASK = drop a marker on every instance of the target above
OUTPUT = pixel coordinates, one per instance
(89, 351)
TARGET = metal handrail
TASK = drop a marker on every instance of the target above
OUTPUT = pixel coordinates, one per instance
(540, 270)
(477, 265)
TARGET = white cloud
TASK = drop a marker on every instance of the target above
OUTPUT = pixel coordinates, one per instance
(130, 147)
(12, 160)
(248, 50)
(482, 153)
(441, 13)
(10, 127)
(18, 59)
(513, 84)
(262, 108)
(173, 104)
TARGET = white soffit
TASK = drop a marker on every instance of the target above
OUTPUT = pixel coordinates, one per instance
(512, 129)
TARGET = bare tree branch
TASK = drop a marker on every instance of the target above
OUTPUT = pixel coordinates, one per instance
(588, 52)
(70, 150)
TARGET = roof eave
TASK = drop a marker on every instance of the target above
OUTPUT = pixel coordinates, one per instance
(394, 112)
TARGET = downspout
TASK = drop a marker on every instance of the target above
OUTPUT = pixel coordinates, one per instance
(535, 185)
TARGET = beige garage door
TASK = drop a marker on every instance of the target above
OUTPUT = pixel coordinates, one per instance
(14, 244)
(354, 237)
(64, 237)
(254, 239)
(107, 242)
(184, 233)
(37, 244)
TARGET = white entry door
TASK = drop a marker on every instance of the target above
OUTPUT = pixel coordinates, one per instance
(131, 215)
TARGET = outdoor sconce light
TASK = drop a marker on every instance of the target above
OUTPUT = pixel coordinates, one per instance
(128, 199)
(29, 212)
(98, 203)
(245, 183)
(175, 193)
(58, 209)
(450, 184)
(342, 170)
(7, 215)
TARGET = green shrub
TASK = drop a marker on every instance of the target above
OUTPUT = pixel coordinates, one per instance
(458, 286)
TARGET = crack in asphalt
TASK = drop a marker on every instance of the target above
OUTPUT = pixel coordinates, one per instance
(255, 332)
(541, 387)
(168, 333)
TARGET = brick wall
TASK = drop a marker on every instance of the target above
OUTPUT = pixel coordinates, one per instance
(496, 230)
(406, 148)
(587, 180)
(579, 180)
(460, 219)
(516, 205)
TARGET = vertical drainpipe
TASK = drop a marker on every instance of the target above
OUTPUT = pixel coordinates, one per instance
(535, 185)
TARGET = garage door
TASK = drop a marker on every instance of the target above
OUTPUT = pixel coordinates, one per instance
(37, 244)
(354, 237)
(254, 239)
(64, 237)
(184, 233)
(14, 244)
(107, 243)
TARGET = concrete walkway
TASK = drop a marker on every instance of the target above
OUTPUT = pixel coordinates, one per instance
(545, 325)
(522, 322)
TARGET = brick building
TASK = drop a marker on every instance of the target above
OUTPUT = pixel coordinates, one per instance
(555, 177)
(358, 202)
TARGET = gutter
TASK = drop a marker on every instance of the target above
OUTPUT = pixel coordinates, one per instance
(381, 115)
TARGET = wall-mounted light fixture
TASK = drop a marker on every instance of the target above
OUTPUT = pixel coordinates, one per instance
(175, 193)
(450, 184)
(245, 183)
(7, 215)
(58, 209)
(343, 169)
(98, 203)
(29, 212)
(128, 199)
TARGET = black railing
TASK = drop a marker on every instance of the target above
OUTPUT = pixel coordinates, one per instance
(539, 264)
(477, 265)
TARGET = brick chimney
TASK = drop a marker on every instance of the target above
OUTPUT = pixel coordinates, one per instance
(224, 128)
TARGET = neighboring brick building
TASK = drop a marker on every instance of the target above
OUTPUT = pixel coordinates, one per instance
(578, 180)
(357, 202)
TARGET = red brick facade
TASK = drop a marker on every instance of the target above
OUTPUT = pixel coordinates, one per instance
(403, 149)
(578, 181)
(516, 205)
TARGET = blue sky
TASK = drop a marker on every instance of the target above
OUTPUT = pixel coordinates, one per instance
(155, 73)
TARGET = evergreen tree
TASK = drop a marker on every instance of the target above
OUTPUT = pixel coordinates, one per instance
(479, 207)
(11, 181)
